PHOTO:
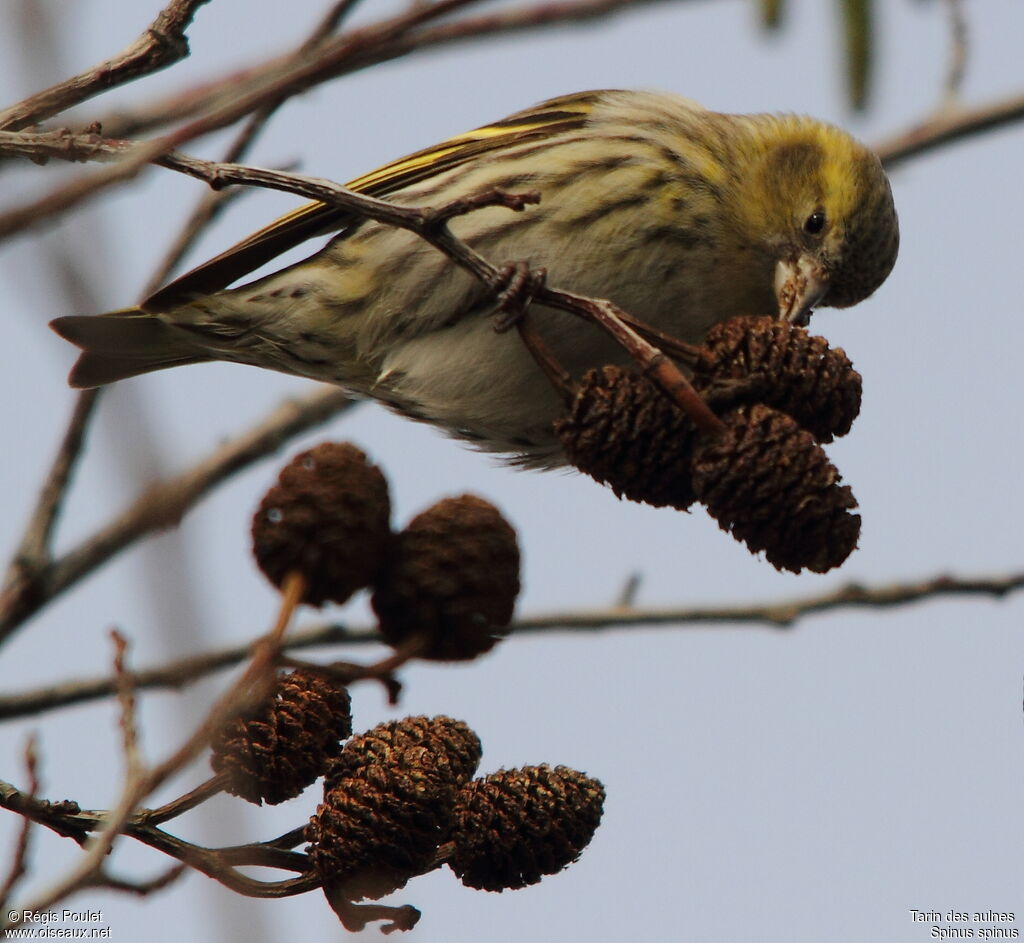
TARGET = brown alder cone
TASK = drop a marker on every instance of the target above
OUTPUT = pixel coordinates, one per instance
(281, 746)
(368, 838)
(799, 373)
(623, 432)
(328, 517)
(388, 804)
(453, 578)
(453, 749)
(515, 826)
(769, 483)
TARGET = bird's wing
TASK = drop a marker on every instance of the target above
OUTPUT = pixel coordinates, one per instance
(551, 117)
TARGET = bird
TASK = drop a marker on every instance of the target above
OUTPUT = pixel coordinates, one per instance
(682, 216)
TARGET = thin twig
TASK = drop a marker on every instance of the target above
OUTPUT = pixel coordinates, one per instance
(360, 49)
(164, 504)
(139, 783)
(210, 861)
(781, 614)
(958, 46)
(234, 101)
(211, 204)
(653, 362)
(34, 550)
(107, 881)
(95, 849)
(125, 682)
(190, 800)
(69, 820)
(68, 195)
(949, 127)
(938, 131)
(221, 103)
(19, 862)
(162, 44)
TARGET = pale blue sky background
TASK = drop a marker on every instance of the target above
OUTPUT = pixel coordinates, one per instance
(794, 786)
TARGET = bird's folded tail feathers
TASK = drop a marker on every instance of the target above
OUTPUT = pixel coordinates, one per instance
(122, 344)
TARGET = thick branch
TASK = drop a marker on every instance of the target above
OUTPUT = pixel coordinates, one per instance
(783, 614)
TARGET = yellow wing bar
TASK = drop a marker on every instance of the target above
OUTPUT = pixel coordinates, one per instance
(315, 219)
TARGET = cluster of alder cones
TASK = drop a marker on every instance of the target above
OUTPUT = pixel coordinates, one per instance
(780, 393)
(446, 584)
(400, 799)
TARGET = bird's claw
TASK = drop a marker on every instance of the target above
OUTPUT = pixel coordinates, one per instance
(520, 284)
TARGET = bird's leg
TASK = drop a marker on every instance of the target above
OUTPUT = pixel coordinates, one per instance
(688, 354)
(559, 377)
(516, 285)
(651, 361)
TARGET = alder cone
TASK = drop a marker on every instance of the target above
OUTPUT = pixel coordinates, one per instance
(797, 372)
(368, 838)
(453, 579)
(447, 748)
(328, 517)
(623, 431)
(515, 826)
(769, 483)
(388, 803)
(280, 747)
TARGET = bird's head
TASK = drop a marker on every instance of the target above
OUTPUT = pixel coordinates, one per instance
(823, 202)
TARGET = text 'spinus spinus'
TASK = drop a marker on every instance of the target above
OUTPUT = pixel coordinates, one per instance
(681, 216)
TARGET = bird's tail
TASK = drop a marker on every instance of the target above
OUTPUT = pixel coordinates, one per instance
(123, 344)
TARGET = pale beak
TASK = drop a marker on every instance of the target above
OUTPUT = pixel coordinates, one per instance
(800, 283)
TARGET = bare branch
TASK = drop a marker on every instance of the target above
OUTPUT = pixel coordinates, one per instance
(19, 863)
(164, 504)
(139, 888)
(125, 684)
(782, 614)
(957, 52)
(71, 194)
(945, 128)
(949, 127)
(233, 100)
(141, 782)
(161, 45)
(34, 549)
(221, 103)
(359, 49)
(69, 820)
(210, 205)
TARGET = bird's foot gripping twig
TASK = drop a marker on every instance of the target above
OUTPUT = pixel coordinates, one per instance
(516, 289)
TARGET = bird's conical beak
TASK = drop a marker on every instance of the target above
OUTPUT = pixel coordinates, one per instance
(800, 283)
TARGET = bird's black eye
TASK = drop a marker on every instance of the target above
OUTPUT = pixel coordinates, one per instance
(815, 223)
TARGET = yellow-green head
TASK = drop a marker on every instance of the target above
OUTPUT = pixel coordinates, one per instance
(822, 206)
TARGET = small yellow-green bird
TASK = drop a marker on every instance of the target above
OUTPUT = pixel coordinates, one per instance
(681, 216)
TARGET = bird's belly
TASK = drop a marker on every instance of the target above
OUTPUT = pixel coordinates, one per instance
(486, 387)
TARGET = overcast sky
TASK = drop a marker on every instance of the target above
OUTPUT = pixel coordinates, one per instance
(805, 785)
